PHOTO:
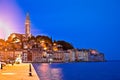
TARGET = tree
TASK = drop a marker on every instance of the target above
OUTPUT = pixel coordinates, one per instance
(40, 38)
(2, 41)
(31, 38)
(65, 45)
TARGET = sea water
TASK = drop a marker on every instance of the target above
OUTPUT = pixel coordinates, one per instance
(79, 71)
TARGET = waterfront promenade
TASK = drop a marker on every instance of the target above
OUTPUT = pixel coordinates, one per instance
(18, 72)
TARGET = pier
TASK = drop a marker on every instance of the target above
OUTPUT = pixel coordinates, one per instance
(18, 72)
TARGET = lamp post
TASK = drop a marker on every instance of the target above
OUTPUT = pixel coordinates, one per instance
(30, 71)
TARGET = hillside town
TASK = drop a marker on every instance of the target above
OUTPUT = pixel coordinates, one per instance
(25, 47)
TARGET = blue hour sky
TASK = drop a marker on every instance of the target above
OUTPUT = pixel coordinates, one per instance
(84, 23)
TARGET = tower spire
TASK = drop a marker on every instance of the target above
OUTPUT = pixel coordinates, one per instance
(27, 26)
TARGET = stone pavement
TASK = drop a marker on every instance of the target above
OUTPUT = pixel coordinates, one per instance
(18, 72)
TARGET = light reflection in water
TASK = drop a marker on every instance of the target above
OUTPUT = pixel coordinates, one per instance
(48, 73)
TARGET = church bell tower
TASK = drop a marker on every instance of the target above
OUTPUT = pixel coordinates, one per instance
(27, 26)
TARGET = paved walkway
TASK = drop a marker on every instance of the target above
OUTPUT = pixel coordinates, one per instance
(18, 72)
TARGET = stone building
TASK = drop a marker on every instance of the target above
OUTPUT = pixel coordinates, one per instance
(89, 55)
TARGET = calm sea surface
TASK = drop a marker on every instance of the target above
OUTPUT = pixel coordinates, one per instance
(79, 71)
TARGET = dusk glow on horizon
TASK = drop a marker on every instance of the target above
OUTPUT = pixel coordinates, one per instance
(10, 19)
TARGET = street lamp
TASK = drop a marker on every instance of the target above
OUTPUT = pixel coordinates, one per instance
(30, 71)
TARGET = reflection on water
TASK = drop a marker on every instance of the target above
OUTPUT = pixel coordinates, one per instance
(48, 73)
(78, 71)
